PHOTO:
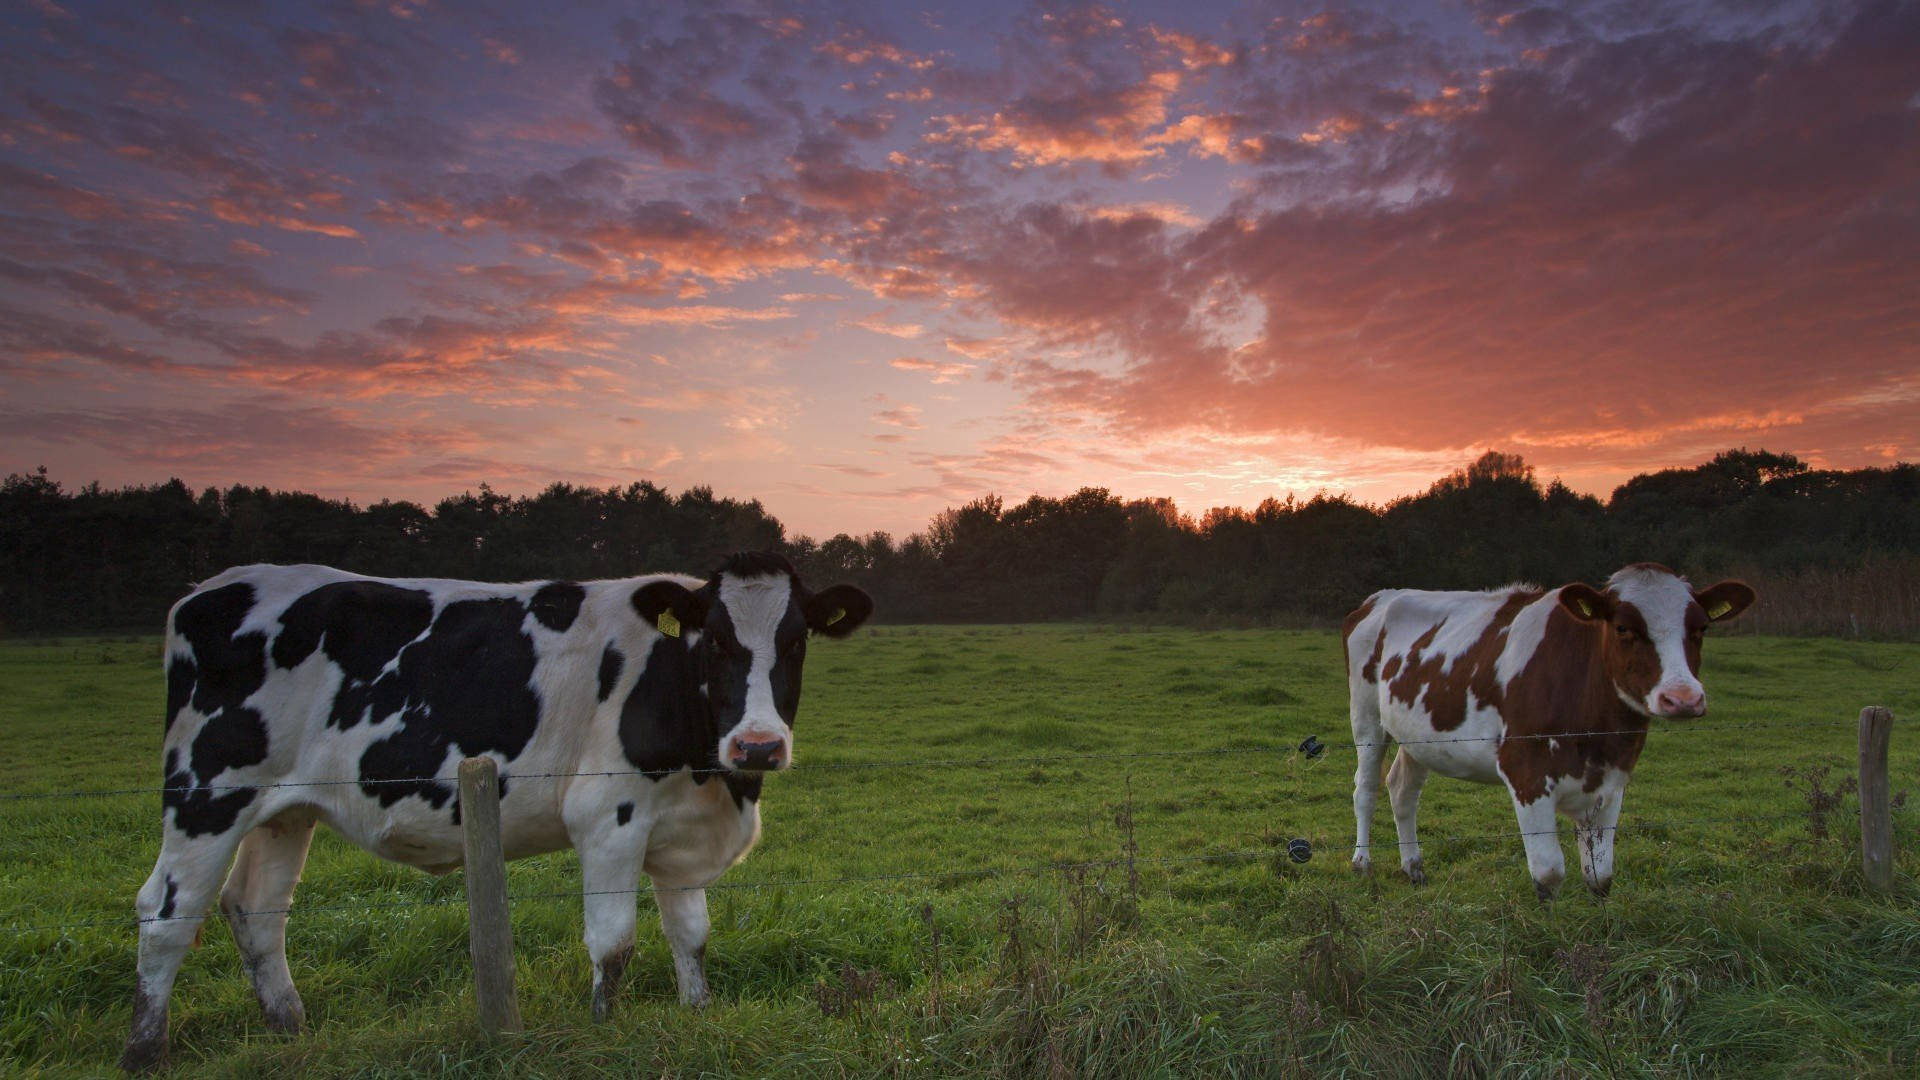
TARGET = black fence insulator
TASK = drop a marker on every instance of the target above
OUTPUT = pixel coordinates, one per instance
(1313, 748)
(1299, 850)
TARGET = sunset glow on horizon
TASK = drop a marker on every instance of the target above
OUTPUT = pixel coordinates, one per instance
(865, 262)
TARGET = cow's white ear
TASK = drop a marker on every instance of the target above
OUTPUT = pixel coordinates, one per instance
(1586, 602)
(670, 607)
(1725, 600)
(838, 611)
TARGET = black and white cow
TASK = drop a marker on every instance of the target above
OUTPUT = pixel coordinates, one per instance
(681, 692)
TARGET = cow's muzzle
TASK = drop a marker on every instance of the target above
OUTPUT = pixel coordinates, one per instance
(757, 755)
(1680, 704)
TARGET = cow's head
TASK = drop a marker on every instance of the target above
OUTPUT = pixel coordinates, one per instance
(747, 630)
(1652, 623)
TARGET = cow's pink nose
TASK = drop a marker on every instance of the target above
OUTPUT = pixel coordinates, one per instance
(1682, 702)
(756, 754)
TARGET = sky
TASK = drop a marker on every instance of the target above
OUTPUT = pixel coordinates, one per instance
(864, 262)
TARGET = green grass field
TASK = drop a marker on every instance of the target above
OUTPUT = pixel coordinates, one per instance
(1727, 946)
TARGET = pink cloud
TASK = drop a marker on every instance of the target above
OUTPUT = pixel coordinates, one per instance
(942, 371)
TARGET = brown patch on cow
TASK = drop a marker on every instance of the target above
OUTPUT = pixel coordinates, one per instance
(1596, 775)
(1631, 658)
(1354, 619)
(1392, 665)
(1443, 681)
(1562, 716)
(1408, 686)
(1372, 669)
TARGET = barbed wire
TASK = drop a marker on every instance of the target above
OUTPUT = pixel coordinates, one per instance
(956, 876)
(1066, 758)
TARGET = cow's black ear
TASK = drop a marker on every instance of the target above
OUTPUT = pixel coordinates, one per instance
(670, 607)
(1586, 602)
(838, 610)
(1727, 599)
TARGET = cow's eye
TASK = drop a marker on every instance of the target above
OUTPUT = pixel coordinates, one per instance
(1625, 632)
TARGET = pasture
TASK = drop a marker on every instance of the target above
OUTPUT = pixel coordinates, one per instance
(1737, 937)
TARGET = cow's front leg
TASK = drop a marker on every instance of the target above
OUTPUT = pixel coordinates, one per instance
(1540, 832)
(683, 915)
(1596, 830)
(610, 880)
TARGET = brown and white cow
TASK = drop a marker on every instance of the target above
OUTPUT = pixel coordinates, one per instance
(1548, 692)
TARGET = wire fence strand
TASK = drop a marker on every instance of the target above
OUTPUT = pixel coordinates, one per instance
(1065, 758)
(954, 876)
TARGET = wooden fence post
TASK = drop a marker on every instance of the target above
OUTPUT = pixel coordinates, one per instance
(489, 933)
(1876, 808)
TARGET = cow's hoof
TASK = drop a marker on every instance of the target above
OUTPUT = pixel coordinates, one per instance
(1416, 872)
(1545, 890)
(144, 1055)
(607, 987)
(147, 1041)
(1362, 864)
(1600, 888)
(285, 1018)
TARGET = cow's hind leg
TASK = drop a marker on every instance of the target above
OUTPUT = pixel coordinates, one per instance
(258, 892)
(171, 906)
(683, 915)
(1370, 746)
(1404, 779)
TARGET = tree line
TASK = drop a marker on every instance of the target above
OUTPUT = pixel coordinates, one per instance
(1844, 542)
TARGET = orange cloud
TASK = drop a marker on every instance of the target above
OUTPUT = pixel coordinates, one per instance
(942, 371)
(1110, 125)
(877, 323)
(1195, 53)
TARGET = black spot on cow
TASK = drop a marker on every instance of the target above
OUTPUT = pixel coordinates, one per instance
(234, 739)
(181, 674)
(226, 668)
(465, 686)
(362, 626)
(610, 664)
(557, 604)
(166, 905)
(198, 811)
(790, 644)
(667, 724)
(623, 813)
(664, 725)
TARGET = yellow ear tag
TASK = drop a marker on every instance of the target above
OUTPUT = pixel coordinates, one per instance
(1586, 609)
(838, 614)
(668, 625)
(1719, 609)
